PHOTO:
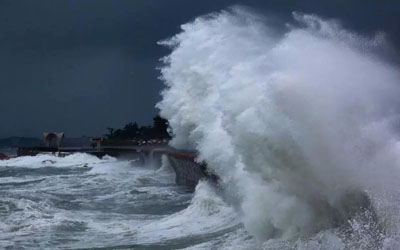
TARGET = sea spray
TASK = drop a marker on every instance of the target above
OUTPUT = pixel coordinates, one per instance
(300, 125)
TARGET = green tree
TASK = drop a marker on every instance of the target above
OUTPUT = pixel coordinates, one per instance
(132, 131)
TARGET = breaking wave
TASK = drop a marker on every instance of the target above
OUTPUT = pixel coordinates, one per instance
(301, 126)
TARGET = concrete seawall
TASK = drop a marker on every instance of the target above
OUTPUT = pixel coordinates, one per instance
(188, 172)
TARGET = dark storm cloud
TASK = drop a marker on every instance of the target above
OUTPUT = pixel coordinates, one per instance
(82, 65)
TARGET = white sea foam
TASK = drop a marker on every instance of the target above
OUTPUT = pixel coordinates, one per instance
(103, 204)
(41, 160)
(300, 126)
(206, 214)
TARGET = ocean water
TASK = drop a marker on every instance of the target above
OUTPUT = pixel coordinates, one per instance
(82, 202)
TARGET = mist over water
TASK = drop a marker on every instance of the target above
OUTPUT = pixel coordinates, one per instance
(302, 126)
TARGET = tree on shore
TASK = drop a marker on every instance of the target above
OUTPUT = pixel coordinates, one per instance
(132, 131)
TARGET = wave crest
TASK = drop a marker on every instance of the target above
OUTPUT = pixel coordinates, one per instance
(293, 123)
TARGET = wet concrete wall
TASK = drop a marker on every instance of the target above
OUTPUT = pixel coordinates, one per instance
(187, 171)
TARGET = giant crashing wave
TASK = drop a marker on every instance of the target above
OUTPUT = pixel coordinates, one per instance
(299, 125)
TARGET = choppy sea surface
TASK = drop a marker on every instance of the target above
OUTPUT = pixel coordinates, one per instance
(82, 202)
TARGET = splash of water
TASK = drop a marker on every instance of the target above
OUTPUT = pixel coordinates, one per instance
(299, 125)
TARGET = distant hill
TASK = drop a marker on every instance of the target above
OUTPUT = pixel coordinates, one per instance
(15, 142)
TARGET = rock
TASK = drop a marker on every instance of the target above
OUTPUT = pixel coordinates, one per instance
(3, 156)
(48, 161)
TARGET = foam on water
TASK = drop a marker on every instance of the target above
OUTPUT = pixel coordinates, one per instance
(41, 160)
(80, 201)
(301, 126)
(206, 214)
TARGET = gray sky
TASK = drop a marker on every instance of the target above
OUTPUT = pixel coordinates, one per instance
(80, 66)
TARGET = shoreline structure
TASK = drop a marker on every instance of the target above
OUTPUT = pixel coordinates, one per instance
(187, 170)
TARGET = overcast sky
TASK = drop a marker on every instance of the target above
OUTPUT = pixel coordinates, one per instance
(80, 66)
